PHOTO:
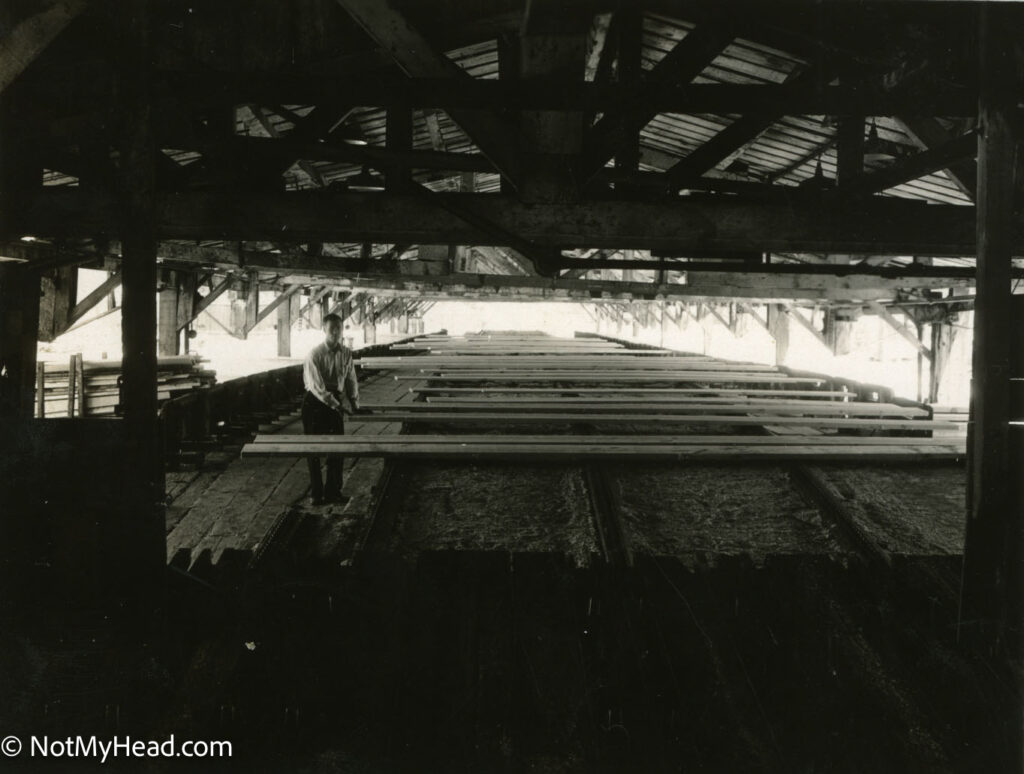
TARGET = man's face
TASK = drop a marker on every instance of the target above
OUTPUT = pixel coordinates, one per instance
(333, 335)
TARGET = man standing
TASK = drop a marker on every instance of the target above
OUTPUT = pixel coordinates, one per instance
(328, 373)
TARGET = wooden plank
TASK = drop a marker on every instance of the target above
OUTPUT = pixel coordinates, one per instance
(815, 408)
(590, 377)
(790, 437)
(647, 391)
(574, 452)
(901, 329)
(653, 420)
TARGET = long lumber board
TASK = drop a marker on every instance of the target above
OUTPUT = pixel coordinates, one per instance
(633, 440)
(492, 418)
(560, 362)
(810, 408)
(589, 376)
(644, 391)
(393, 448)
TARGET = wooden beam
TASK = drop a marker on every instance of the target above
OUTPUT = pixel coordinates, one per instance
(926, 162)
(797, 315)
(273, 305)
(901, 329)
(929, 134)
(168, 338)
(287, 314)
(990, 604)
(741, 131)
(19, 329)
(59, 288)
(418, 58)
(215, 292)
(681, 65)
(106, 288)
(20, 47)
(877, 227)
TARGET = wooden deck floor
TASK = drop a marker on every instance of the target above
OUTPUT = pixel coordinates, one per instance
(231, 505)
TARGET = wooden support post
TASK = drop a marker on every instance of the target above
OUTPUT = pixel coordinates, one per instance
(943, 336)
(287, 314)
(19, 325)
(509, 55)
(990, 602)
(80, 384)
(252, 304)
(72, 384)
(168, 342)
(778, 327)
(838, 330)
(59, 292)
(41, 390)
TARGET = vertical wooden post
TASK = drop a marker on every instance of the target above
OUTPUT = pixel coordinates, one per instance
(41, 390)
(509, 56)
(72, 384)
(990, 592)
(252, 304)
(943, 336)
(134, 538)
(778, 327)
(80, 384)
(19, 324)
(286, 314)
(167, 339)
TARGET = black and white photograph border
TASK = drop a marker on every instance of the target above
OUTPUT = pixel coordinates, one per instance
(561, 386)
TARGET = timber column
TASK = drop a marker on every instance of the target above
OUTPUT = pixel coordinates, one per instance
(990, 603)
(140, 535)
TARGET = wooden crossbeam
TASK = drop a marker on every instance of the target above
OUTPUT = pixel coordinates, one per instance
(741, 131)
(926, 162)
(928, 133)
(418, 57)
(20, 47)
(875, 227)
(901, 329)
(100, 293)
(796, 314)
(216, 292)
(278, 300)
(681, 65)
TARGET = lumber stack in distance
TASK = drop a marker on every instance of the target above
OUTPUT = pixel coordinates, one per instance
(725, 394)
(589, 377)
(100, 394)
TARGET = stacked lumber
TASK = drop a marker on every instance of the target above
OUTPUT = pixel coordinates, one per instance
(90, 387)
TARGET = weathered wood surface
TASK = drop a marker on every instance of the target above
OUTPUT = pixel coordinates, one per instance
(388, 449)
(651, 420)
(234, 509)
(590, 377)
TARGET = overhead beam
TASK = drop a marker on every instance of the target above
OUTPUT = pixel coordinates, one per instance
(20, 47)
(640, 104)
(962, 149)
(744, 129)
(419, 58)
(875, 227)
(273, 305)
(929, 134)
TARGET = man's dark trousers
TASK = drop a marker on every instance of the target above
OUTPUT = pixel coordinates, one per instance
(320, 419)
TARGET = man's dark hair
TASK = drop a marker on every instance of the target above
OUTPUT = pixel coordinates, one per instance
(329, 318)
